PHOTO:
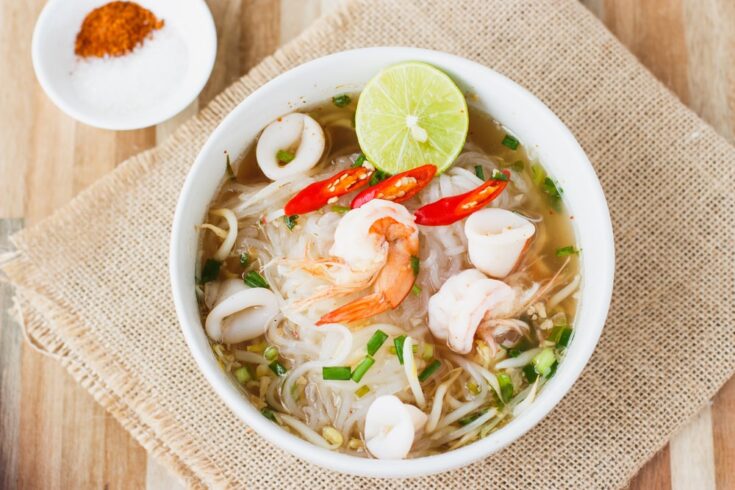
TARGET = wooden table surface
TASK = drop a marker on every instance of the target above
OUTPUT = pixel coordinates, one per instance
(53, 434)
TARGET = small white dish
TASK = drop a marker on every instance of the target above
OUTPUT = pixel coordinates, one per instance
(54, 61)
(547, 138)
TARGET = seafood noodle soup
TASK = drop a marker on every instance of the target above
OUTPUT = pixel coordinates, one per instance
(389, 274)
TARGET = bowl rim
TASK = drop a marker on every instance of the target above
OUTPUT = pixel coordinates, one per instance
(48, 85)
(361, 466)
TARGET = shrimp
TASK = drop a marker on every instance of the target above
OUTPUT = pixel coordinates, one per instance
(378, 238)
(463, 303)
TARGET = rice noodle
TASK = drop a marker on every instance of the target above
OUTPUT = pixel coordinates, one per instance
(409, 366)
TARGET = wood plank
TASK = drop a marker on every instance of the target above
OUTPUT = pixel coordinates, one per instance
(692, 455)
(723, 429)
(655, 475)
(10, 372)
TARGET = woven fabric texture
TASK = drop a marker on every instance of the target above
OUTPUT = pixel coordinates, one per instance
(93, 284)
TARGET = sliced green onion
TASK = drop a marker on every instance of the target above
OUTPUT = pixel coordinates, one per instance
(336, 373)
(242, 375)
(255, 280)
(513, 352)
(429, 370)
(378, 338)
(537, 174)
(362, 368)
(565, 251)
(561, 335)
(498, 175)
(552, 371)
(268, 413)
(398, 345)
(415, 265)
(510, 142)
(257, 348)
(553, 190)
(341, 100)
(277, 368)
(378, 177)
(542, 362)
(291, 221)
(210, 271)
(479, 172)
(284, 156)
(359, 161)
(244, 259)
(517, 166)
(362, 391)
(271, 353)
(338, 208)
(506, 386)
(230, 171)
(530, 373)
(416, 290)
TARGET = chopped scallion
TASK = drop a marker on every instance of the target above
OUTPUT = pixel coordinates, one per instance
(268, 413)
(244, 259)
(255, 280)
(565, 251)
(210, 271)
(479, 172)
(362, 368)
(378, 338)
(506, 386)
(338, 208)
(242, 375)
(561, 335)
(542, 362)
(336, 373)
(359, 161)
(362, 391)
(530, 373)
(553, 191)
(513, 352)
(398, 344)
(284, 156)
(415, 265)
(429, 370)
(291, 221)
(271, 353)
(341, 100)
(258, 348)
(428, 352)
(510, 142)
(498, 175)
(378, 177)
(537, 174)
(277, 368)
(416, 290)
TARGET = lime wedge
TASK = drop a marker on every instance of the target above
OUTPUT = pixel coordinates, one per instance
(409, 115)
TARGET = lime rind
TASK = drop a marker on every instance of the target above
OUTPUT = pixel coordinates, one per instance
(434, 101)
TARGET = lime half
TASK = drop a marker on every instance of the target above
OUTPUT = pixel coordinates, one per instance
(409, 115)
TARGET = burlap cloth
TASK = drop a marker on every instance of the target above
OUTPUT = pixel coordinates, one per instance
(93, 285)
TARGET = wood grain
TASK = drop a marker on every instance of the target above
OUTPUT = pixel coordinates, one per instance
(55, 436)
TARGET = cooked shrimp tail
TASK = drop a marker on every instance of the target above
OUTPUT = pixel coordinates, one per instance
(364, 307)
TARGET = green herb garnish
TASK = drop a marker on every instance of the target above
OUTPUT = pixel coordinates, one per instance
(285, 156)
(268, 413)
(479, 172)
(416, 290)
(291, 221)
(415, 265)
(561, 335)
(210, 271)
(468, 419)
(277, 368)
(358, 161)
(336, 373)
(530, 373)
(362, 391)
(429, 370)
(362, 368)
(244, 259)
(537, 174)
(542, 362)
(498, 175)
(513, 352)
(378, 177)
(553, 191)
(510, 142)
(255, 280)
(506, 386)
(338, 208)
(242, 375)
(398, 344)
(271, 353)
(565, 251)
(378, 338)
(341, 100)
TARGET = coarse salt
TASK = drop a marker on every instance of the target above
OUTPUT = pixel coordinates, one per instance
(133, 82)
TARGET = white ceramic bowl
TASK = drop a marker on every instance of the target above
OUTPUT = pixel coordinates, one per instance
(54, 60)
(522, 113)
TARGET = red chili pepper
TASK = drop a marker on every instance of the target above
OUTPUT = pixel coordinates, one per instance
(318, 194)
(398, 188)
(450, 209)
